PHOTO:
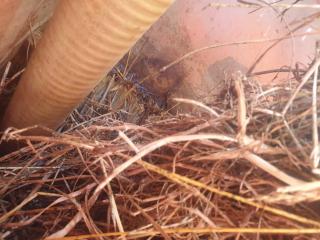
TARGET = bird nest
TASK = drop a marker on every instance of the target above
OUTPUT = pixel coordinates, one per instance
(245, 169)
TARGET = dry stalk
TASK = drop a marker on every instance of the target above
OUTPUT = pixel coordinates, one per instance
(177, 176)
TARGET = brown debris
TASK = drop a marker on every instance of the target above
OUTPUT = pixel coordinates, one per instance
(215, 174)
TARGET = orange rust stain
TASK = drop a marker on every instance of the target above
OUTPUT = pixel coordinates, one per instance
(193, 24)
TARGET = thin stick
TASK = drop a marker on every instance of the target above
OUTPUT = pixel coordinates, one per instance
(272, 170)
(242, 109)
(310, 186)
(197, 103)
(305, 78)
(5, 74)
(315, 136)
(113, 204)
(52, 140)
(295, 139)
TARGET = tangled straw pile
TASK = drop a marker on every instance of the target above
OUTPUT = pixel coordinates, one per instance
(247, 170)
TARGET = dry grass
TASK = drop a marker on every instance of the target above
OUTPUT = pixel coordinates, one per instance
(248, 171)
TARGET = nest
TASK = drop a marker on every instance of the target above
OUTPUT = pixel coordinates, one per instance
(242, 170)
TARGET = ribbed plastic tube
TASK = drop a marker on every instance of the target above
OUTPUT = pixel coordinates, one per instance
(82, 42)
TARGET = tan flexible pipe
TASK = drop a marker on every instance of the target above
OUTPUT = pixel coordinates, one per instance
(83, 40)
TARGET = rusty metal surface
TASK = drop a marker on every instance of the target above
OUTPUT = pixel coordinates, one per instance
(193, 24)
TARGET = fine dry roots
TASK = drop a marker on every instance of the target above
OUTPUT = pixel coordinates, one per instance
(247, 171)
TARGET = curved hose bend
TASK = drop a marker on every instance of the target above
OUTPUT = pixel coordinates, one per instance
(83, 40)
